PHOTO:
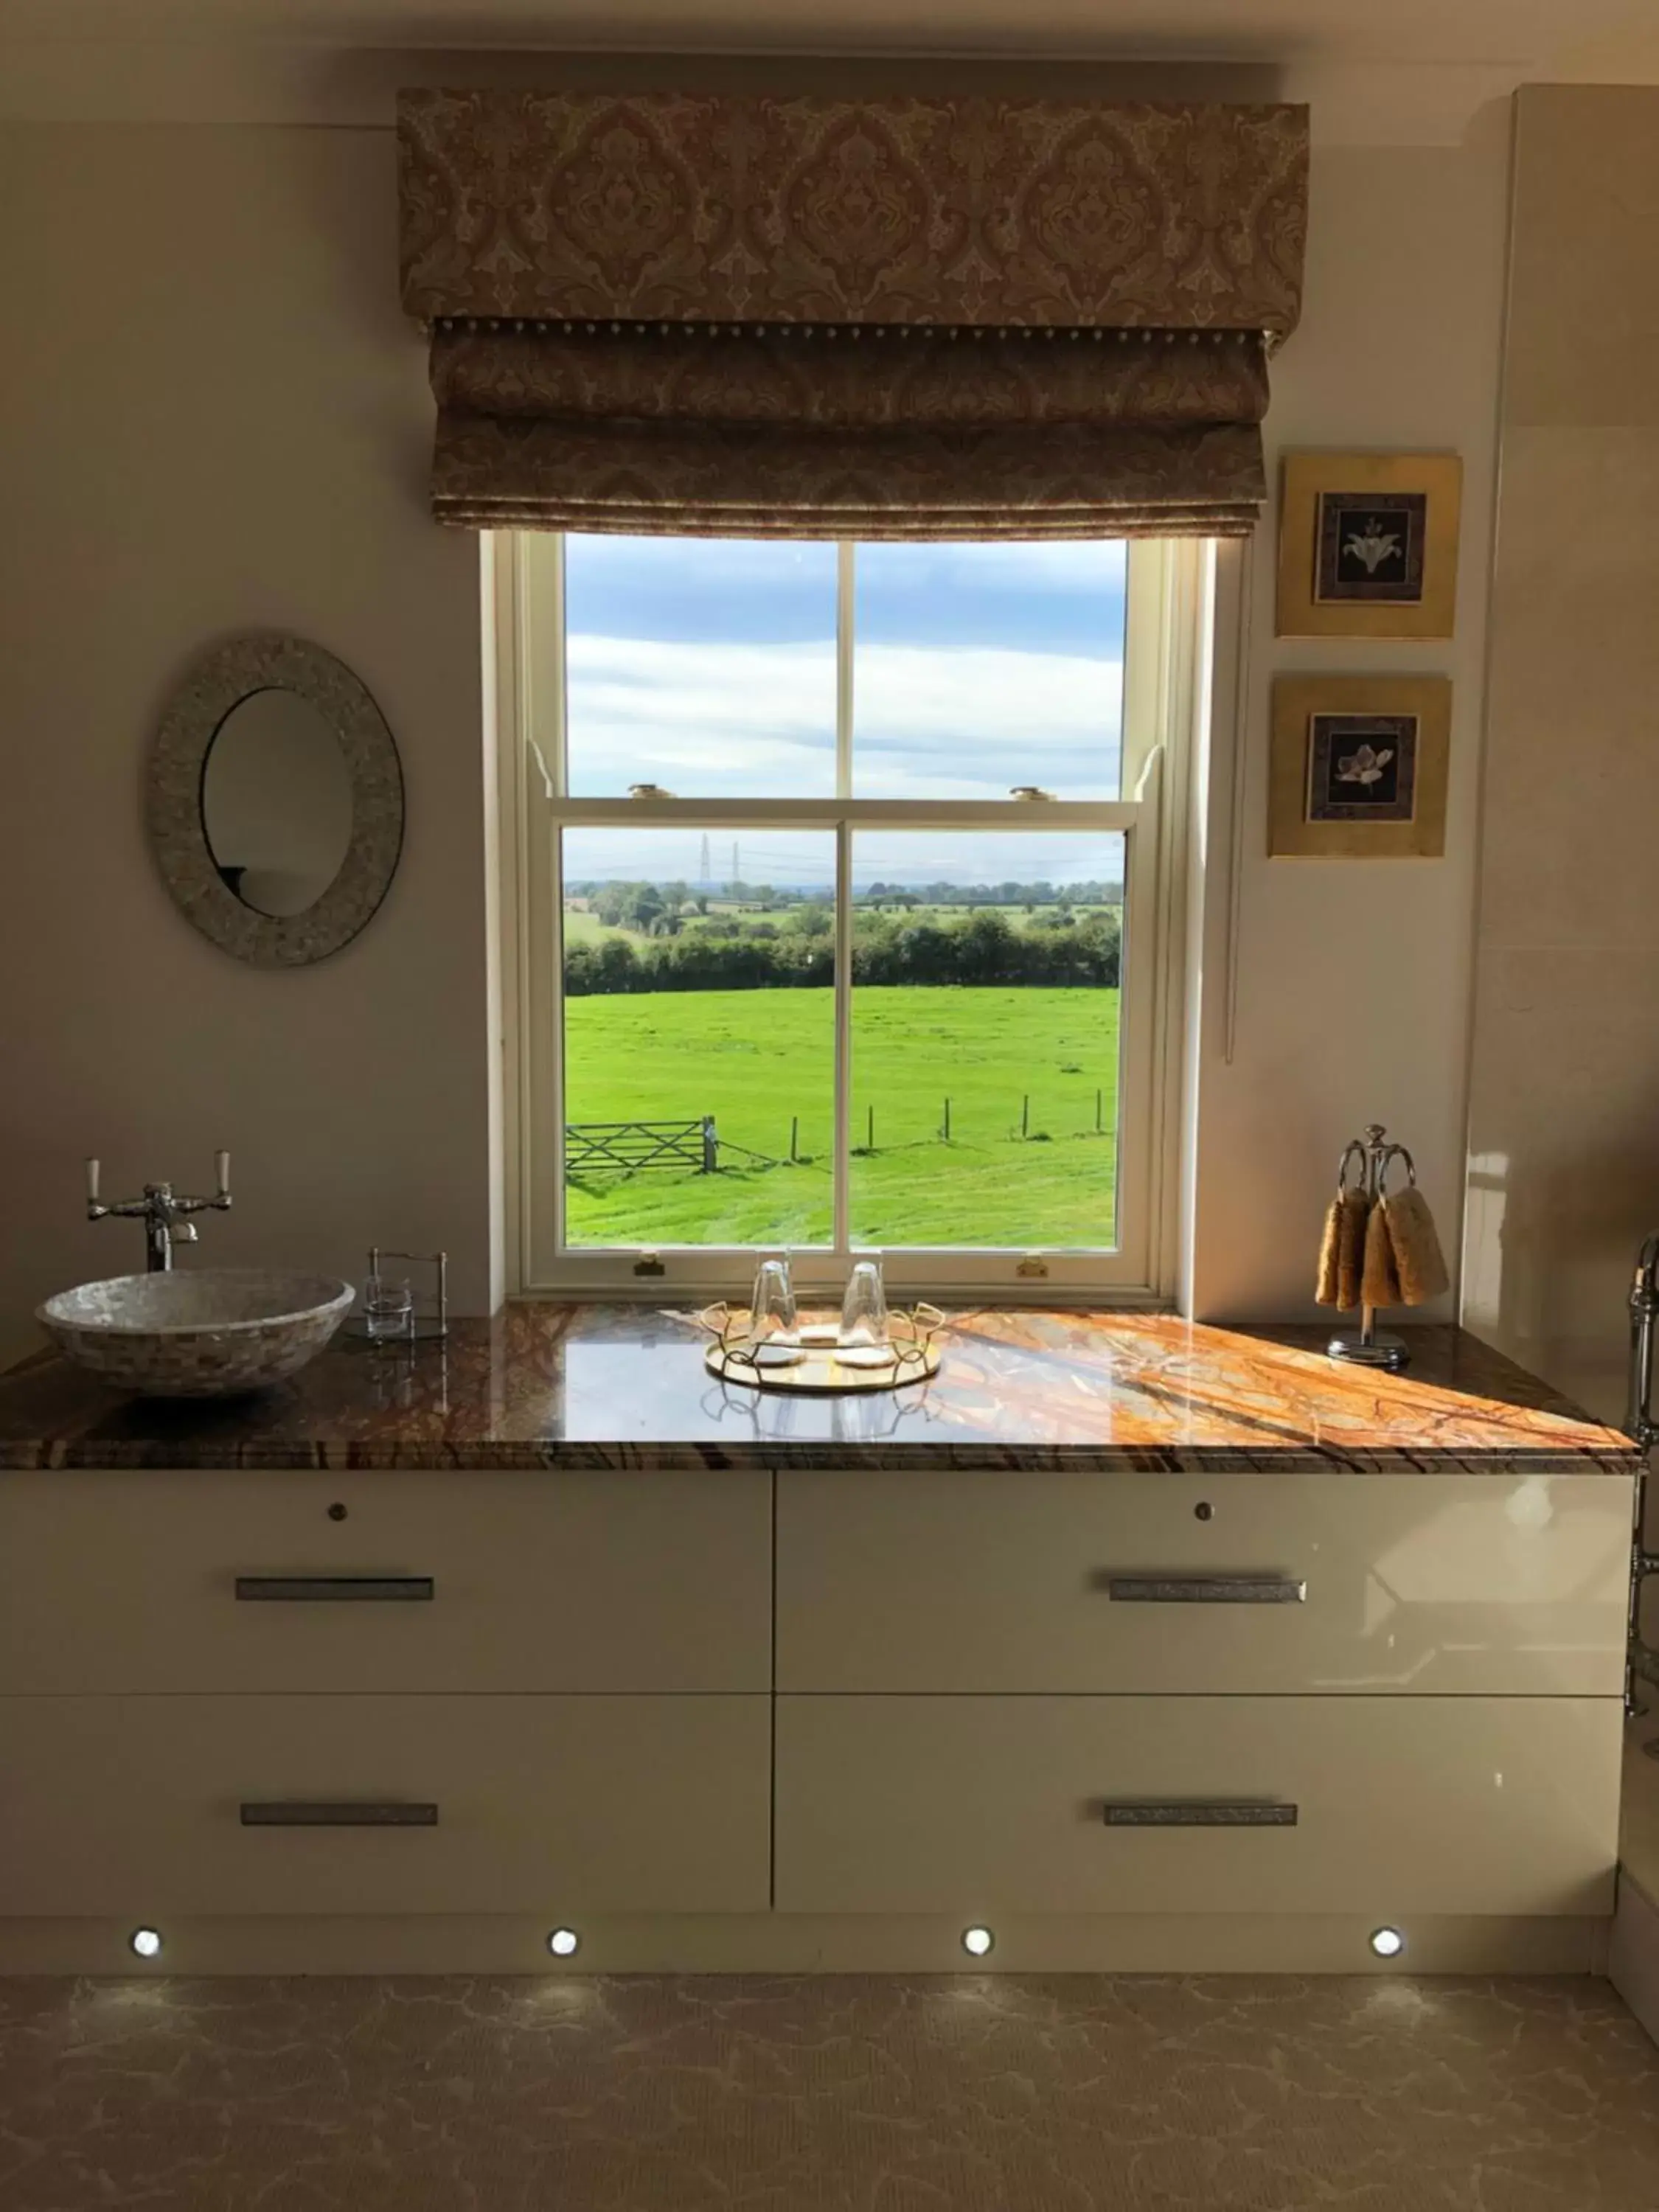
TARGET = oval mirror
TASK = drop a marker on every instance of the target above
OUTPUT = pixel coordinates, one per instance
(277, 803)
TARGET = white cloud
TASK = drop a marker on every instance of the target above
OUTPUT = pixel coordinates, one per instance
(733, 720)
(1052, 569)
(997, 715)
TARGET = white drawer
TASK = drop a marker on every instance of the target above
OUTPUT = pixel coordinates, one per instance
(556, 1582)
(558, 1805)
(1000, 1581)
(1399, 1805)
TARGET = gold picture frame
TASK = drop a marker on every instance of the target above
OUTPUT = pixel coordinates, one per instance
(1359, 767)
(1368, 545)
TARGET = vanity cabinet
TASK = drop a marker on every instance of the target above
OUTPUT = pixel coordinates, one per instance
(792, 1718)
(1253, 1694)
(427, 1580)
(321, 1805)
(1385, 1806)
(1503, 1585)
(431, 1693)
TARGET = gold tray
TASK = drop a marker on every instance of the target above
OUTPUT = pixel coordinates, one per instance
(820, 1370)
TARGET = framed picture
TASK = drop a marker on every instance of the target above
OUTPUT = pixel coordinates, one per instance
(1368, 545)
(1358, 768)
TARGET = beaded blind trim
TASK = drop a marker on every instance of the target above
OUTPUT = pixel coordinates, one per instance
(807, 318)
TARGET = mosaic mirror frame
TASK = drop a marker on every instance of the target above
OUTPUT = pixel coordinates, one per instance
(213, 689)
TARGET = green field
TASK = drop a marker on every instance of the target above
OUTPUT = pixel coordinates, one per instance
(755, 1059)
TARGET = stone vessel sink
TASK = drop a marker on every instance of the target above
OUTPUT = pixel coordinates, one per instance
(204, 1333)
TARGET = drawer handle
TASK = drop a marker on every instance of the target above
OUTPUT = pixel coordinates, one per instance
(1206, 1590)
(1198, 1813)
(355, 1813)
(363, 1589)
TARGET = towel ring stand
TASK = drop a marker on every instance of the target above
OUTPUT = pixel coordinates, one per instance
(1370, 1346)
(1353, 1150)
(1395, 1152)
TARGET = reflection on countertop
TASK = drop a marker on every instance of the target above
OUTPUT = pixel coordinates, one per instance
(549, 1384)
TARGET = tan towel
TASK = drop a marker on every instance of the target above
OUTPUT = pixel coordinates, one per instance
(1380, 1284)
(1419, 1267)
(1342, 1253)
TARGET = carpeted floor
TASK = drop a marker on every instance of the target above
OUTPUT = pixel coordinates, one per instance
(967, 2095)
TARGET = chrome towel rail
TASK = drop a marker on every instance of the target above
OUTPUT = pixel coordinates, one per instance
(1642, 1660)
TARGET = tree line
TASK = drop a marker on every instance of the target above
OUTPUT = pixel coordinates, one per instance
(655, 909)
(1094, 892)
(982, 947)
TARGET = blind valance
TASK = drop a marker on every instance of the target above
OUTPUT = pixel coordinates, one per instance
(815, 318)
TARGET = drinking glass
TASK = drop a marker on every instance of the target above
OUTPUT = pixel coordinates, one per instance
(861, 1340)
(772, 1315)
(388, 1308)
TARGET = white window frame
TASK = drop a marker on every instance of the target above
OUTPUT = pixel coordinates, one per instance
(1170, 596)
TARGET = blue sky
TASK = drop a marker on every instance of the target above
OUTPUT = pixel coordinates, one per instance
(1042, 598)
(708, 665)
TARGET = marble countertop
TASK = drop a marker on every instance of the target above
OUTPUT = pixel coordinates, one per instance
(552, 1385)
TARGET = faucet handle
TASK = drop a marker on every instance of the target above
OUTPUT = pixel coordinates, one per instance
(221, 1200)
(94, 1211)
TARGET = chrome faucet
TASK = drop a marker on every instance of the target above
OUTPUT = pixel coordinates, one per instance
(166, 1218)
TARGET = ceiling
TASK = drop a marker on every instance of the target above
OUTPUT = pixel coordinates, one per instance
(1539, 38)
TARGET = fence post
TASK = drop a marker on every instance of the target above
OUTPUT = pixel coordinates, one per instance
(947, 1121)
(711, 1153)
(795, 1138)
(1025, 1115)
(870, 1131)
(1099, 1094)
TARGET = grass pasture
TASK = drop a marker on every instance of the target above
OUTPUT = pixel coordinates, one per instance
(755, 1059)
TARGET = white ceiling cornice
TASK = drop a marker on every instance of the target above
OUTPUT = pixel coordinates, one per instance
(1534, 37)
(1408, 72)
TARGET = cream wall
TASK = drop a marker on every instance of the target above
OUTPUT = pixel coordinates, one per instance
(1341, 988)
(221, 420)
(1564, 1132)
(217, 418)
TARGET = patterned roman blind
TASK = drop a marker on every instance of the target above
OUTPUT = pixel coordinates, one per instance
(807, 318)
